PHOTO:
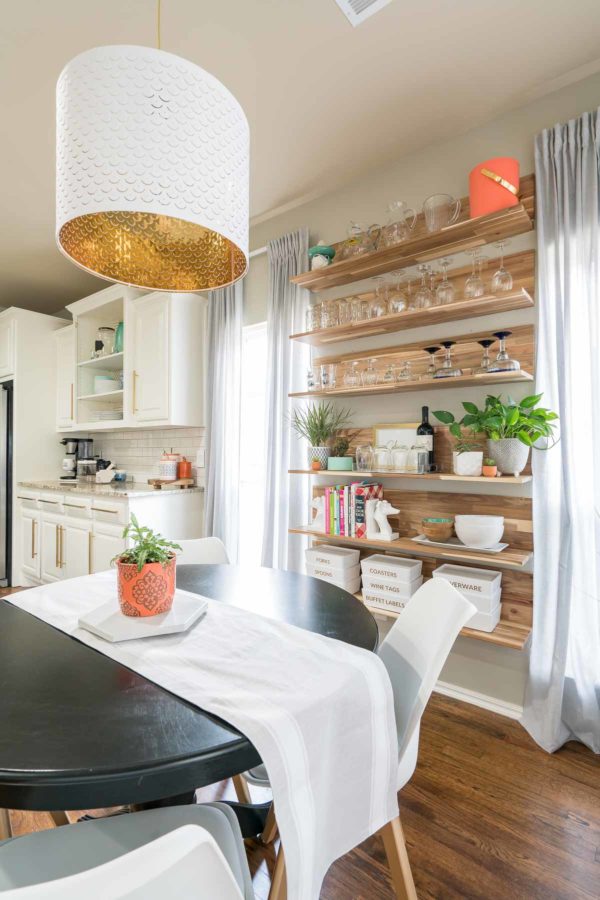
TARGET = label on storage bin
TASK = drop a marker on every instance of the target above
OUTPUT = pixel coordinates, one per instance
(397, 570)
(384, 602)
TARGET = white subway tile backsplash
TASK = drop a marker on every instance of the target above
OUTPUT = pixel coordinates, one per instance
(139, 452)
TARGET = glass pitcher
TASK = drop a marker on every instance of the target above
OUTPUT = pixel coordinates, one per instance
(400, 223)
(440, 210)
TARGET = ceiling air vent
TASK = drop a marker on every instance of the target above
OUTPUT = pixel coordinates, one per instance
(356, 11)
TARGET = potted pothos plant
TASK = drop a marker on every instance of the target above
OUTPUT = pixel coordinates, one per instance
(146, 572)
(512, 428)
(319, 423)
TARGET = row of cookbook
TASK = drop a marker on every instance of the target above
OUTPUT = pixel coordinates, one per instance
(345, 507)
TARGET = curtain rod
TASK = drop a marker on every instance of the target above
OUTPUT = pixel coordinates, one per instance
(258, 252)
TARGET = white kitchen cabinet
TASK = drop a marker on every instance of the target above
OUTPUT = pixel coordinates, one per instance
(50, 547)
(76, 548)
(107, 542)
(30, 543)
(66, 376)
(149, 324)
(7, 345)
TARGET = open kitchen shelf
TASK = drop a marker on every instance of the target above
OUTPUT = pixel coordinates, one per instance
(510, 558)
(425, 246)
(430, 476)
(422, 384)
(505, 634)
(112, 362)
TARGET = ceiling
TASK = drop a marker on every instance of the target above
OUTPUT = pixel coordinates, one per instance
(325, 101)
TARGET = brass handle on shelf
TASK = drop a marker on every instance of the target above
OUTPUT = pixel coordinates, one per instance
(56, 555)
(135, 378)
(90, 538)
(33, 550)
(72, 401)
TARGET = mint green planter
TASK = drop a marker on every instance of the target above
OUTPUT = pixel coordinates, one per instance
(340, 463)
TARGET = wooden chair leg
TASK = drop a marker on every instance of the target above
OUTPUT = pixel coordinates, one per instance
(59, 818)
(270, 830)
(278, 882)
(395, 849)
(5, 826)
(241, 789)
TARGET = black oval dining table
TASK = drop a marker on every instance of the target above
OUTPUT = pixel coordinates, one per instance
(81, 731)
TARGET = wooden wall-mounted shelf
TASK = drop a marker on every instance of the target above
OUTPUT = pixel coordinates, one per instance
(520, 265)
(431, 476)
(424, 246)
(422, 384)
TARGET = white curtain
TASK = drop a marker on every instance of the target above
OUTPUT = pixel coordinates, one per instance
(286, 496)
(563, 692)
(223, 386)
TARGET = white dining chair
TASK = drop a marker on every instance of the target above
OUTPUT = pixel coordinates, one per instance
(196, 852)
(202, 551)
(413, 652)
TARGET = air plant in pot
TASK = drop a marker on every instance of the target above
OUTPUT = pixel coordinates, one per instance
(319, 423)
(146, 572)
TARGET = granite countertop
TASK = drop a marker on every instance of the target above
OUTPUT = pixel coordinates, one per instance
(113, 489)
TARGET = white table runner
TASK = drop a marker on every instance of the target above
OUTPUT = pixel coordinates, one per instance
(319, 712)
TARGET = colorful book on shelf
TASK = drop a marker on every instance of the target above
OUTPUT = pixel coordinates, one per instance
(362, 492)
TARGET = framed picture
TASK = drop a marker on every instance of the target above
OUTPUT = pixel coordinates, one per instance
(392, 446)
(401, 433)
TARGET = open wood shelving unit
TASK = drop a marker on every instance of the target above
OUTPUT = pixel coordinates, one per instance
(514, 628)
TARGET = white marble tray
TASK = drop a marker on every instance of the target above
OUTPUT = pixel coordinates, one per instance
(455, 544)
(108, 622)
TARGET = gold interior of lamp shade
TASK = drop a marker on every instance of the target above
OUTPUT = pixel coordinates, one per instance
(152, 251)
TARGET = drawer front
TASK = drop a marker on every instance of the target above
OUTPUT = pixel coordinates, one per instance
(28, 499)
(78, 508)
(50, 502)
(110, 512)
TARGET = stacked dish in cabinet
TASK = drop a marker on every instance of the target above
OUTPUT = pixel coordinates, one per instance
(482, 587)
(337, 565)
(390, 581)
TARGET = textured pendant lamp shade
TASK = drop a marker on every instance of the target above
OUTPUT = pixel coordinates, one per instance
(152, 160)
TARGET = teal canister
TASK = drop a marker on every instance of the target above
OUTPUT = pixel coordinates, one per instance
(118, 344)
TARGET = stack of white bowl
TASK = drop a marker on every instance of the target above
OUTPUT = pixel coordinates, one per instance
(338, 565)
(483, 587)
(390, 581)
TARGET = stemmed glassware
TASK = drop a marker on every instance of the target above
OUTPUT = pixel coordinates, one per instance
(484, 366)
(431, 369)
(474, 285)
(502, 280)
(397, 299)
(503, 363)
(379, 304)
(424, 295)
(448, 369)
(389, 376)
(352, 375)
(405, 373)
(370, 376)
(445, 291)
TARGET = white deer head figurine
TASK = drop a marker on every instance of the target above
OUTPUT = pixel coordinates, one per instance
(318, 523)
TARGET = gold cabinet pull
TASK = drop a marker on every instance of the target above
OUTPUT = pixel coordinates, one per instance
(61, 534)
(56, 556)
(90, 539)
(113, 512)
(135, 378)
(74, 505)
(33, 550)
(72, 402)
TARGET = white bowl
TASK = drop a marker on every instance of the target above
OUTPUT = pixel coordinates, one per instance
(480, 532)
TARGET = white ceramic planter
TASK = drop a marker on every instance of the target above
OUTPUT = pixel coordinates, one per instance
(469, 463)
(320, 453)
(511, 455)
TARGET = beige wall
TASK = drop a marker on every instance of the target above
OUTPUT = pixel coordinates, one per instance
(444, 167)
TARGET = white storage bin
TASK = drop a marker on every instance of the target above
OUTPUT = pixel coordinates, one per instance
(334, 557)
(485, 621)
(392, 569)
(481, 586)
(393, 602)
(390, 589)
(348, 579)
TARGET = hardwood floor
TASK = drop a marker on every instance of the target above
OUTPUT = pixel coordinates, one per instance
(487, 815)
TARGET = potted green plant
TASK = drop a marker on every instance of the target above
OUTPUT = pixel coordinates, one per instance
(467, 458)
(318, 423)
(490, 469)
(512, 428)
(338, 461)
(146, 572)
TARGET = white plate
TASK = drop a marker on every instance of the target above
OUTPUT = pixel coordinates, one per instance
(458, 545)
(108, 622)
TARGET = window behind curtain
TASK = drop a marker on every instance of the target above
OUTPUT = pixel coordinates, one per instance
(253, 452)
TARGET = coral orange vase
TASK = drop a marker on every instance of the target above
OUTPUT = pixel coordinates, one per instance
(146, 593)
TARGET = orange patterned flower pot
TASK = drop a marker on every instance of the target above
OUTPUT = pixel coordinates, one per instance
(146, 593)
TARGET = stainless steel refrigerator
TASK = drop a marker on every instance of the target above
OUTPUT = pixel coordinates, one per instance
(6, 446)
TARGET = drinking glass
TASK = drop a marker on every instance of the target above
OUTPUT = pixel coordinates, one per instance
(328, 377)
(397, 299)
(502, 280)
(474, 285)
(503, 363)
(345, 311)
(310, 380)
(431, 369)
(370, 376)
(330, 314)
(399, 458)
(382, 458)
(352, 375)
(440, 210)
(389, 376)
(364, 457)
(405, 373)
(445, 291)
(448, 369)
(400, 223)
(484, 366)
(424, 295)
(360, 309)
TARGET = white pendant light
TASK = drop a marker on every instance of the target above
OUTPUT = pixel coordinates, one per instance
(152, 171)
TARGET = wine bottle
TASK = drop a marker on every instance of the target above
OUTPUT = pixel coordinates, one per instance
(425, 433)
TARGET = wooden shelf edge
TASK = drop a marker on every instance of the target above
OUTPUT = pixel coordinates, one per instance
(435, 315)
(506, 559)
(430, 476)
(422, 384)
(505, 634)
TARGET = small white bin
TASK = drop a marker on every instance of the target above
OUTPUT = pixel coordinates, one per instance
(391, 597)
(485, 621)
(391, 569)
(332, 557)
(481, 586)
(348, 579)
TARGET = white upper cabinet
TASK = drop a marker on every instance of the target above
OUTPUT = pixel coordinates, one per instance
(66, 376)
(150, 370)
(7, 346)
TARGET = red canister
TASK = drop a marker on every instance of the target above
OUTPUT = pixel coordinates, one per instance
(184, 468)
(493, 185)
